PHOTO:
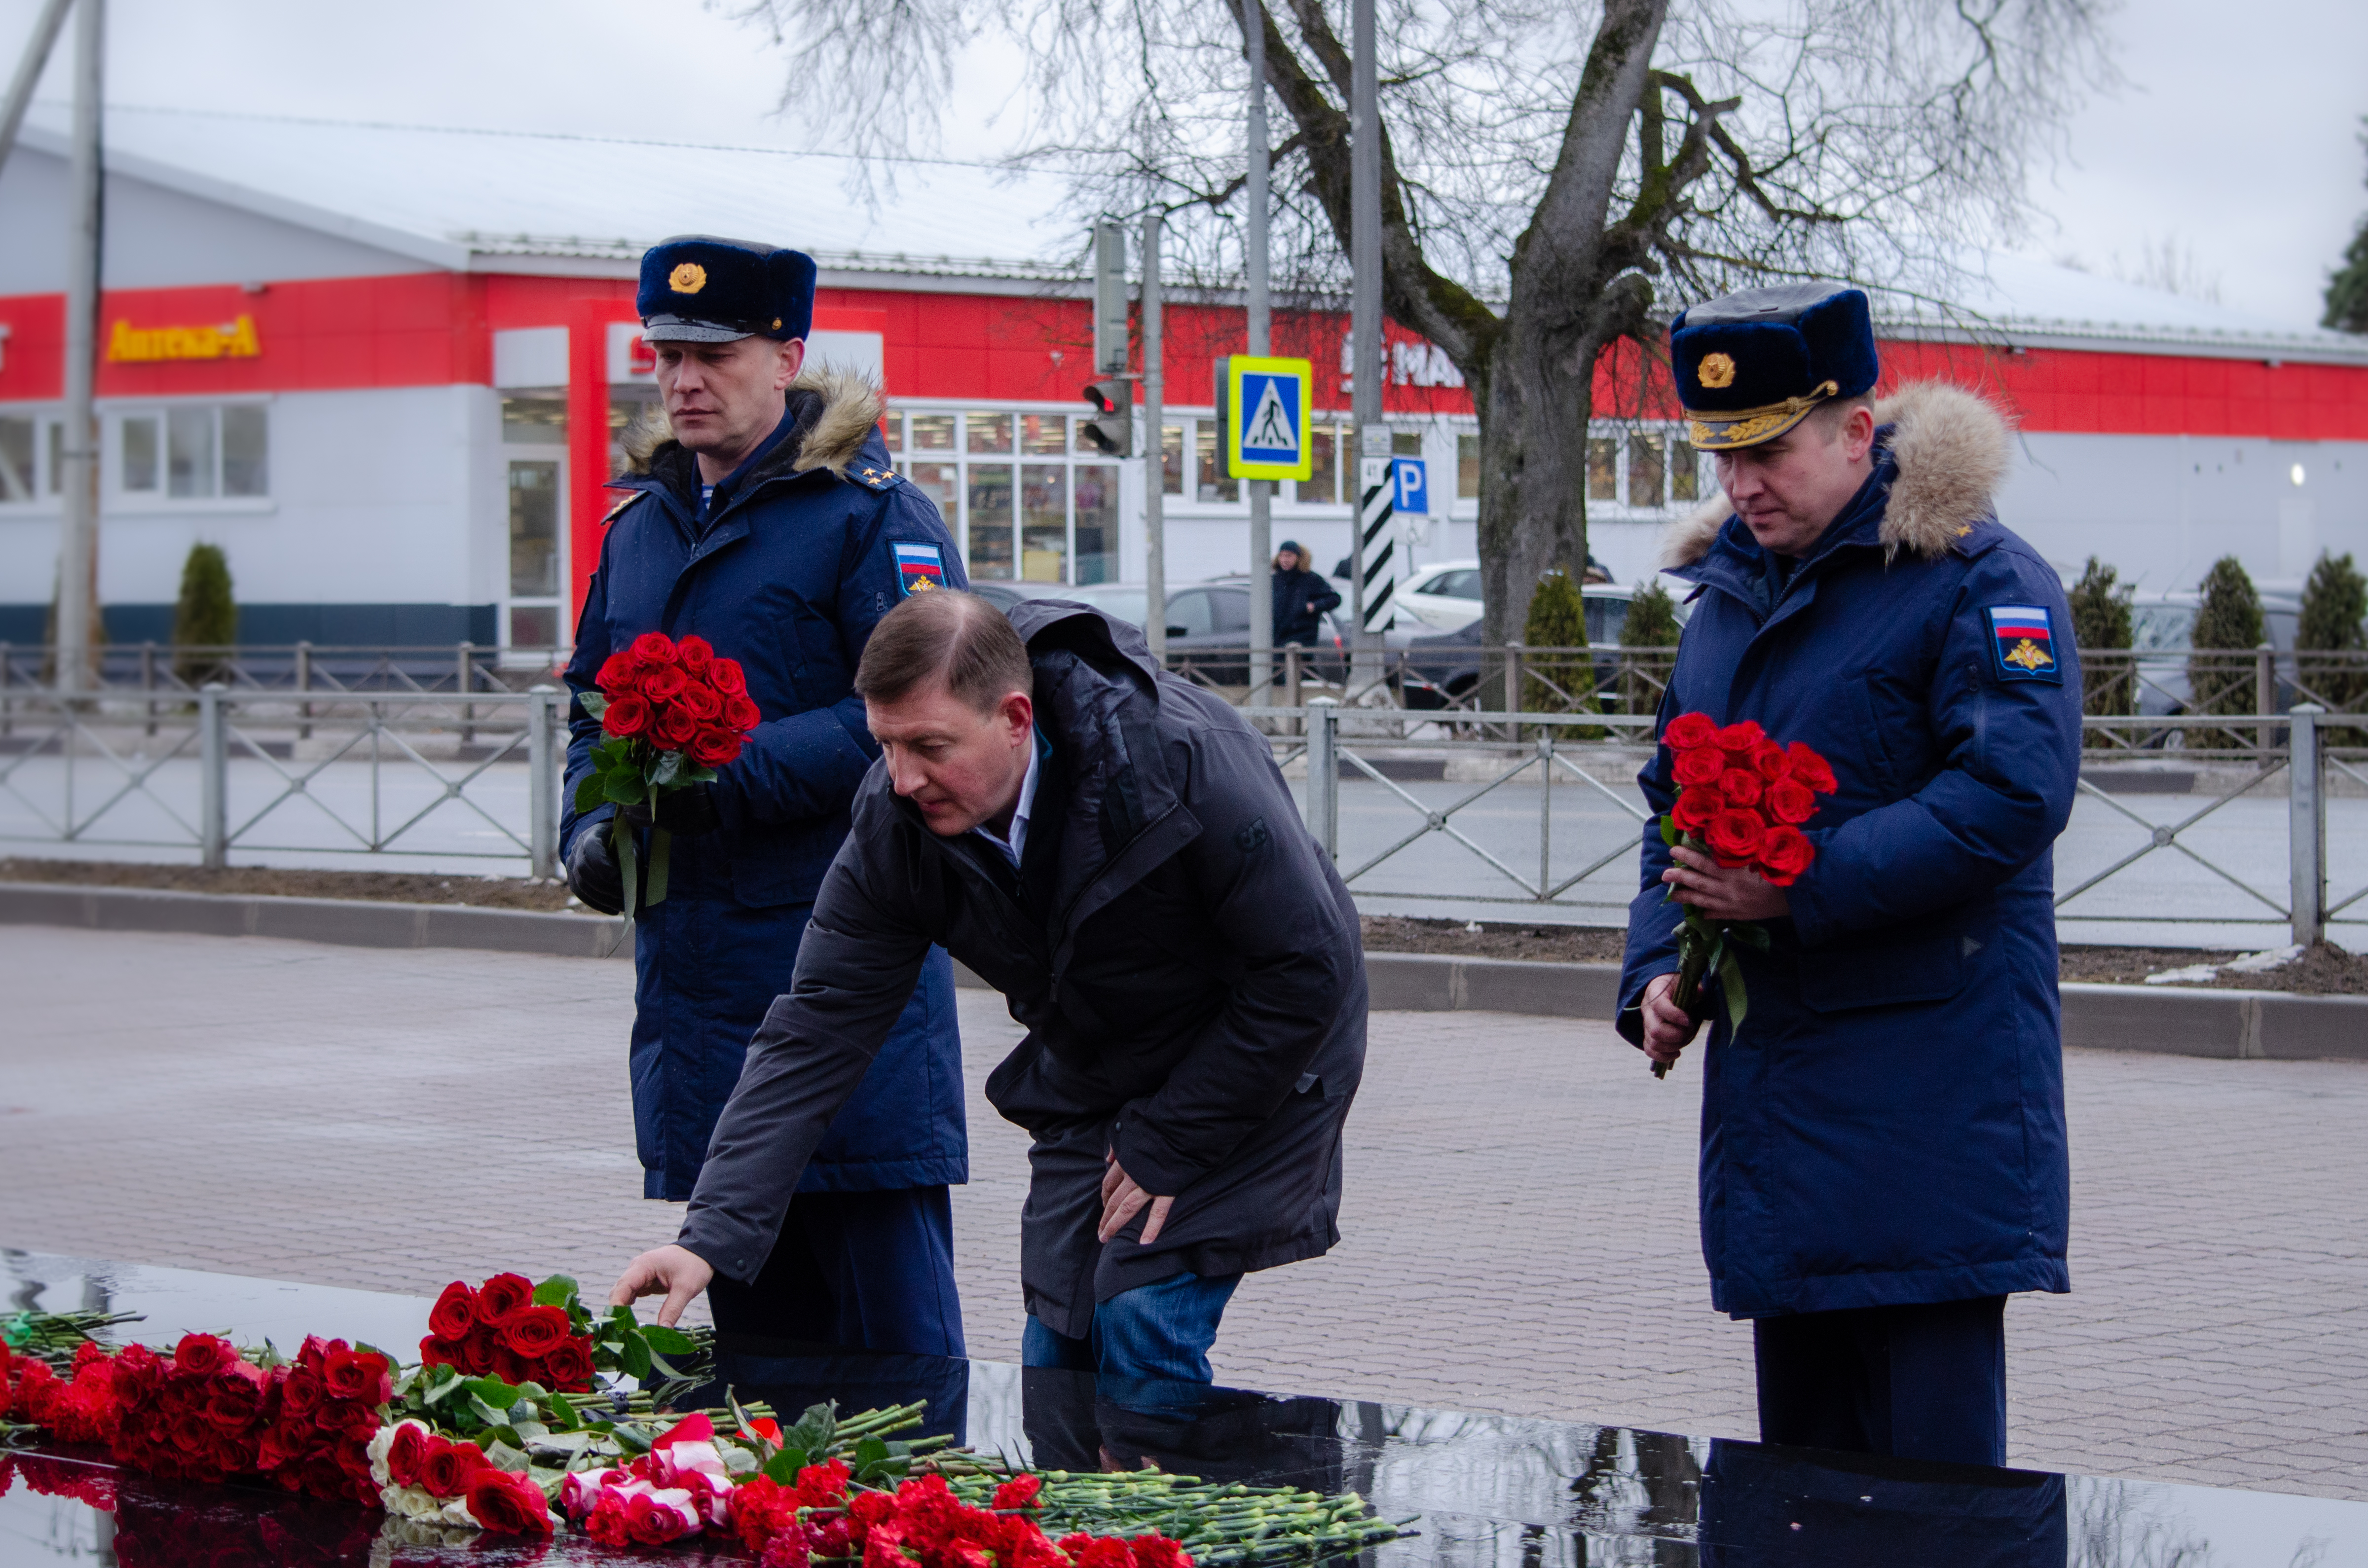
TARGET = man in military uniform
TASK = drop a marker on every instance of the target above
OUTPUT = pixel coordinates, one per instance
(1882, 1143)
(764, 518)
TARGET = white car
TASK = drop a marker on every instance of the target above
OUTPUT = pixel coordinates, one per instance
(1445, 595)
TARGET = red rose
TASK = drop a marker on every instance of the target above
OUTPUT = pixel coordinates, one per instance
(673, 728)
(727, 676)
(359, 1375)
(1740, 787)
(1697, 803)
(509, 1504)
(1784, 853)
(1689, 730)
(1771, 761)
(664, 683)
(696, 655)
(1790, 800)
(233, 1401)
(1741, 736)
(628, 716)
(435, 1352)
(406, 1453)
(714, 748)
(700, 703)
(448, 1466)
(650, 1522)
(654, 649)
(1811, 769)
(512, 1368)
(1734, 837)
(478, 1351)
(202, 1355)
(568, 1366)
(455, 1311)
(618, 674)
(532, 1330)
(505, 1293)
(1701, 765)
(605, 1522)
(741, 713)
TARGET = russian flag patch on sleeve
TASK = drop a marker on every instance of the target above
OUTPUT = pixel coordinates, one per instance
(2023, 640)
(919, 568)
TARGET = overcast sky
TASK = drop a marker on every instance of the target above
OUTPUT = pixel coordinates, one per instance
(2234, 142)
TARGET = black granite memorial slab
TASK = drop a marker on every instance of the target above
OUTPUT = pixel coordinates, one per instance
(1484, 1492)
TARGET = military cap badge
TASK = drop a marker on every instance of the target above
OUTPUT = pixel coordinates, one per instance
(1716, 371)
(688, 279)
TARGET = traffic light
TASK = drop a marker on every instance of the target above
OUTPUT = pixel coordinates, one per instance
(1111, 430)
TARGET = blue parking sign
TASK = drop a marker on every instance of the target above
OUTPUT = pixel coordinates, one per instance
(1413, 485)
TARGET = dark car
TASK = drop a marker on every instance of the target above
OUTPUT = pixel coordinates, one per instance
(1440, 669)
(1208, 623)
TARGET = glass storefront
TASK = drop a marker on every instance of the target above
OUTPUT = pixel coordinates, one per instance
(534, 437)
(1019, 490)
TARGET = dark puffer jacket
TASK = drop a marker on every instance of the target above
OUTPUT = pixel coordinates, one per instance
(1183, 954)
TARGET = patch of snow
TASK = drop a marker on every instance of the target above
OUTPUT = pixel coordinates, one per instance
(2262, 963)
(2192, 974)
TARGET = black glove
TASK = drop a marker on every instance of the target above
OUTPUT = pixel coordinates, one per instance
(686, 813)
(592, 873)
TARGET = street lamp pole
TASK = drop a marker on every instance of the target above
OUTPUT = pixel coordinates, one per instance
(78, 481)
(1365, 296)
(1261, 491)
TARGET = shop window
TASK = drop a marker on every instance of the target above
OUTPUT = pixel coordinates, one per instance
(932, 432)
(1602, 468)
(1171, 460)
(534, 626)
(1406, 443)
(1043, 435)
(1215, 483)
(194, 452)
(1096, 522)
(1044, 523)
(539, 418)
(1644, 471)
(989, 432)
(534, 532)
(1685, 472)
(1322, 482)
(1467, 467)
(942, 482)
(990, 522)
(892, 430)
(17, 477)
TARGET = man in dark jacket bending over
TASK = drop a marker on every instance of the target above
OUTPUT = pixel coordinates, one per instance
(1115, 851)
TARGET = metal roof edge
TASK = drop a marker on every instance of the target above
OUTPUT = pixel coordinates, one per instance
(299, 214)
(2168, 342)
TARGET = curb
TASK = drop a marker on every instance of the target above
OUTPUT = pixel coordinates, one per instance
(2223, 1024)
(345, 922)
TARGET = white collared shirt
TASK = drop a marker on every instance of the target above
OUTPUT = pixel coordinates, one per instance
(1018, 843)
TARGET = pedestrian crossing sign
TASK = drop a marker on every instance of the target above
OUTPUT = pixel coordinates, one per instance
(1267, 408)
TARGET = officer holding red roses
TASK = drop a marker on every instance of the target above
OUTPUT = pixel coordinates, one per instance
(763, 525)
(1883, 1139)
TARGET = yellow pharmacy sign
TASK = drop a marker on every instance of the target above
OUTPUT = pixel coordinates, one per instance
(1268, 405)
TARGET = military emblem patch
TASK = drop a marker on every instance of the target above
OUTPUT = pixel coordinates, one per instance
(919, 568)
(2024, 642)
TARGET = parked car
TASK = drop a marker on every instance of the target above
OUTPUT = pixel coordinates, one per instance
(1206, 621)
(1444, 594)
(1437, 668)
(2162, 627)
(1124, 600)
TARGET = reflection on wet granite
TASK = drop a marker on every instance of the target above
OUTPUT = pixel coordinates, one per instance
(1485, 1492)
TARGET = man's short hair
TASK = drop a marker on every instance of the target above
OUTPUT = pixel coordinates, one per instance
(950, 636)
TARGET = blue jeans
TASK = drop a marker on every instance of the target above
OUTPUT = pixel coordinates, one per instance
(1161, 1331)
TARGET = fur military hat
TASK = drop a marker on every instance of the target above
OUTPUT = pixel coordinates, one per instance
(1751, 365)
(699, 288)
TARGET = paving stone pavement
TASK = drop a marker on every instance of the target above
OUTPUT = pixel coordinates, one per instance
(1519, 1230)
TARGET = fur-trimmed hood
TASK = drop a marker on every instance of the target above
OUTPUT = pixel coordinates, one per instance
(1952, 450)
(835, 410)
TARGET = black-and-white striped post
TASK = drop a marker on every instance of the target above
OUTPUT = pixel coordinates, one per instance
(1379, 557)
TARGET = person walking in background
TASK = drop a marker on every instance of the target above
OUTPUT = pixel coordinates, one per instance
(1113, 849)
(765, 519)
(1300, 598)
(1883, 1140)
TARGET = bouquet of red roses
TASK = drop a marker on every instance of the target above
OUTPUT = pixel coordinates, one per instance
(673, 713)
(1742, 799)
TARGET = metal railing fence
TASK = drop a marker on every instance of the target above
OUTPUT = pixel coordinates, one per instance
(230, 769)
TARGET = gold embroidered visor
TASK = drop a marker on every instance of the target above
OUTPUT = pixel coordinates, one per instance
(1728, 429)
